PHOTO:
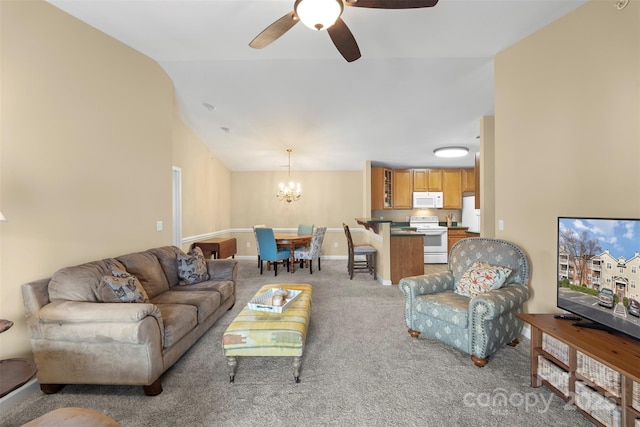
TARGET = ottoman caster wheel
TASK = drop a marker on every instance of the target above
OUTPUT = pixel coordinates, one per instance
(297, 379)
(231, 379)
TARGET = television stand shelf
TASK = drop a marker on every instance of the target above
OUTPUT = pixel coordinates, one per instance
(597, 371)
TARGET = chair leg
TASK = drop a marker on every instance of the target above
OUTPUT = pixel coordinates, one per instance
(319, 266)
(479, 361)
(275, 267)
(311, 266)
(373, 265)
(260, 266)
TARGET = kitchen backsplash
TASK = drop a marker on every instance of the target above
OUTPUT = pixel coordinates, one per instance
(403, 215)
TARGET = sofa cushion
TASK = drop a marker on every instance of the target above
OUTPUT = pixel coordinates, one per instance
(206, 302)
(224, 287)
(146, 267)
(120, 287)
(446, 306)
(480, 278)
(77, 283)
(178, 320)
(168, 258)
(192, 268)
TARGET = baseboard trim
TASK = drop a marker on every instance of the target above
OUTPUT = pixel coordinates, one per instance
(18, 395)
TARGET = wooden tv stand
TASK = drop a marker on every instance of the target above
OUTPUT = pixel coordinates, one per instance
(616, 351)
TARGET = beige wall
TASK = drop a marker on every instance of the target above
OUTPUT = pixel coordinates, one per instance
(88, 138)
(206, 185)
(567, 134)
(329, 198)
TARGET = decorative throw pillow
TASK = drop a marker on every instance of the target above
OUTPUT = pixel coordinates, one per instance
(192, 267)
(480, 278)
(121, 287)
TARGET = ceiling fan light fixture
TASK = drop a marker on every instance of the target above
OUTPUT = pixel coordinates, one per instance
(318, 14)
(451, 151)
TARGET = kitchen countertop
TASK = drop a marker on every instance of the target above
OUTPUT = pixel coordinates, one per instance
(405, 233)
(372, 220)
(372, 223)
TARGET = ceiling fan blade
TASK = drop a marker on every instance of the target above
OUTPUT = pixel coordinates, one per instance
(391, 4)
(274, 31)
(344, 40)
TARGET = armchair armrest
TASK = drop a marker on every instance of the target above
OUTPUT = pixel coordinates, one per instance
(222, 269)
(493, 304)
(97, 322)
(426, 284)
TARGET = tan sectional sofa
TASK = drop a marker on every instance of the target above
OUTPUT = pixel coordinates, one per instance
(79, 339)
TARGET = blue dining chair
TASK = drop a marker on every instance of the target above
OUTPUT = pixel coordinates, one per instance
(258, 244)
(269, 250)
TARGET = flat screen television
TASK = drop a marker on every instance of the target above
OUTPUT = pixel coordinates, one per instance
(599, 272)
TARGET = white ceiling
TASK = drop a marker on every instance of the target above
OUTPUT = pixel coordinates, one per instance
(424, 80)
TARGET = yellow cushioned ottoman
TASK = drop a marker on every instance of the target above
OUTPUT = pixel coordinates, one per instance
(260, 333)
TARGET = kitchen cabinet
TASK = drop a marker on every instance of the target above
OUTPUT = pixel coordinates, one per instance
(435, 180)
(420, 180)
(381, 188)
(452, 188)
(427, 179)
(453, 235)
(468, 181)
(402, 189)
(407, 256)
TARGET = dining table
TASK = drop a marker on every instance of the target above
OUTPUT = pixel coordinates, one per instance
(291, 241)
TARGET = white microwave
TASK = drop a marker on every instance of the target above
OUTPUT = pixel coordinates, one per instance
(427, 199)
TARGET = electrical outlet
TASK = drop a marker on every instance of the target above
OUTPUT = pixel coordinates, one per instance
(159, 225)
(248, 244)
(501, 224)
(336, 244)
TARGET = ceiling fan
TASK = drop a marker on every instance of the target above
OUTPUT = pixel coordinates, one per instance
(325, 14)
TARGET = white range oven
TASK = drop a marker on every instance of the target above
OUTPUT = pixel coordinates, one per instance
(435, 238)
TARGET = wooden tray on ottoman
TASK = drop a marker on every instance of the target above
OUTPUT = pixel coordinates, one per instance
(262, 333)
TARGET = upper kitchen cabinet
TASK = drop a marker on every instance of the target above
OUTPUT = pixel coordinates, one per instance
(452, 188)
(468, 180)
(427, 180)
(435, 180)
(402, 186)
(381, 188)
(420, 179)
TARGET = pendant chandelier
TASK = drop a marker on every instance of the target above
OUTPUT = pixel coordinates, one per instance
(290, 192)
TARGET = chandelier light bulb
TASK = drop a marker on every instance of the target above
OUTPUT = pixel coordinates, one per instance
(292, 191)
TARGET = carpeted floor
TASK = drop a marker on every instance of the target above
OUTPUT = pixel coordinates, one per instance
(360, 368)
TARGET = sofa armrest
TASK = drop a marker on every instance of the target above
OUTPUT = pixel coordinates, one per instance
(493, 304)
(222, 269)
(98, 322)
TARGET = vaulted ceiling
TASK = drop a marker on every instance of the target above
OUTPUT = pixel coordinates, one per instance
(424, 80)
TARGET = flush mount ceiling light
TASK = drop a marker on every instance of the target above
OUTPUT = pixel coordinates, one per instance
(318, 14)
(451, 151)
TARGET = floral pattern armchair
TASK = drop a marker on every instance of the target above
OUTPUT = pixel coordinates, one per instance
(478, 325)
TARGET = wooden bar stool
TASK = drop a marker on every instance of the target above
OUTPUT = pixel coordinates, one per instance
(368, 264)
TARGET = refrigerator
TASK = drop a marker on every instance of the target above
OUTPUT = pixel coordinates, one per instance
(470, 215)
